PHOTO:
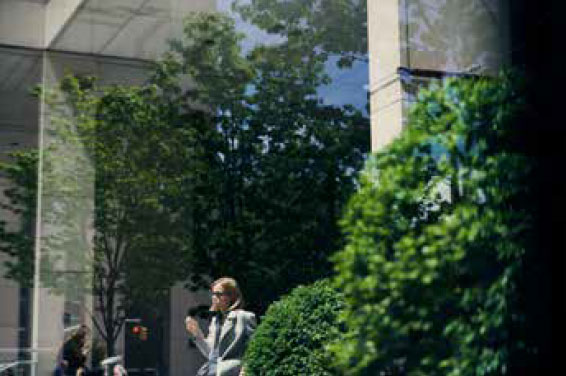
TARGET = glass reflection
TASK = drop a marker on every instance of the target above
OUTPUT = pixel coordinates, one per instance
(152, 168)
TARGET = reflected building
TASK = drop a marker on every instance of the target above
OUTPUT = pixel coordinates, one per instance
(41, 41)
(412, 42)
(115, 41)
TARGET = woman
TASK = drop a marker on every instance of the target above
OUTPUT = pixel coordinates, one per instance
(228, 333)
(75, 352)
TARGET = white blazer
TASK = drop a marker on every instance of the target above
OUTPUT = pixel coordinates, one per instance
(234, 336)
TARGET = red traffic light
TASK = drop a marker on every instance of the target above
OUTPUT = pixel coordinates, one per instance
(140, 331)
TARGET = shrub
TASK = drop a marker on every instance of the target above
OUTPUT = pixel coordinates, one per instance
(292, 336)
(436, 236)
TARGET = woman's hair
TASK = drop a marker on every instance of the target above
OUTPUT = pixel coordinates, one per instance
(230, 286)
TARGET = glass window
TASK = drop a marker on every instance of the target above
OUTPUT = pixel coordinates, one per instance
(151, 147)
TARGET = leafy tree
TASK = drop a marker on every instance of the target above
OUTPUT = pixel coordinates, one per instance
(221, 164)
(436, 240)
(133, 153)
(63, 218)
(326, 27)
(292, 336)
(282, 165)
(20, 200)
(134, 140)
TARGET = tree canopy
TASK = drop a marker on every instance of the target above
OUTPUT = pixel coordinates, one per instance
(282, 162)
(437, 236)
(326, 27)
(220, 164)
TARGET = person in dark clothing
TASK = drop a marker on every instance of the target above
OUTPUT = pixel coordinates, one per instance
(75, 352)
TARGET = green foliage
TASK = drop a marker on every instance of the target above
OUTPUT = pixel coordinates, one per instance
(329, 27)
(20, 200)
(264, 203)
(220, 164)
(292, 337)
(436, 236)
(125, 149)
(18, 226)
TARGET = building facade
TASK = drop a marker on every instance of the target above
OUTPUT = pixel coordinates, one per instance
(410, 43)
(116, 41)
(40, 42)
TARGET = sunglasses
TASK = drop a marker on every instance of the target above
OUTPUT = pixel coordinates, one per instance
(218, 294)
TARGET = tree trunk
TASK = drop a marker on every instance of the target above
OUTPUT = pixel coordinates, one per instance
(110, 346)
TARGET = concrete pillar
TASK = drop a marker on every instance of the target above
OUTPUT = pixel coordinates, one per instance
(384, 41)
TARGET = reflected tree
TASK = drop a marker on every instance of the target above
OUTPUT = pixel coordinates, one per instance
(127, 246)
(454, 35)
(16, 239)
(327, 27)
(221, 164)
(285, 162)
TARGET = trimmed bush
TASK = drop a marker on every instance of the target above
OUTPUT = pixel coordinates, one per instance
(436, 237)
(291, 338)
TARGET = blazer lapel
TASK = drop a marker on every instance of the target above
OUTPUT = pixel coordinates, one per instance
(213, 332)
(228, 324)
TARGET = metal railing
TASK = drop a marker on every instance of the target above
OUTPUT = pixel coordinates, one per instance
(19, 361)
(16, 368)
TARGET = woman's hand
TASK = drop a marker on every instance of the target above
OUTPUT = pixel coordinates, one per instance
(193, 327)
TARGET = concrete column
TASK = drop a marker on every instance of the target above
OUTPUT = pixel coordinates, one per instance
(386, 109)
(63, 275)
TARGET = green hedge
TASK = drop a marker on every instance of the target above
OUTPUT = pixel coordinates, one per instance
(436, 237)
(292, 335)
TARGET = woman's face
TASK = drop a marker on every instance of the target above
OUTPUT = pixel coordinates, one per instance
(221, 300)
